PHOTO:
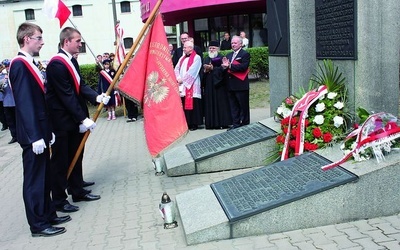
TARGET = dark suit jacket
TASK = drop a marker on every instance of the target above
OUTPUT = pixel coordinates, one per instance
(32, 120)
(67, 107)
(243, 59)
(179, 52)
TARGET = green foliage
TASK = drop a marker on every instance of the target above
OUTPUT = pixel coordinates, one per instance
(259, 63)
(328, 74)
(90, 75)
(362, 114)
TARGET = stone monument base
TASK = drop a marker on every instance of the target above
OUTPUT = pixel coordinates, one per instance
(374, 194)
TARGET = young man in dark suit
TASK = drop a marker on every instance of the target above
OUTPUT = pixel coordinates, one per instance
(66, 96)
(236, 65)
(34, 133)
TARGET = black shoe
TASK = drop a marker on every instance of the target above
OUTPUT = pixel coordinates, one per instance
(193, 127)
(60, 220)
(87, 183)
(50, 231)
(86, 197)
(67, 208)
(13, 140)
(4, 128)
(85, 191)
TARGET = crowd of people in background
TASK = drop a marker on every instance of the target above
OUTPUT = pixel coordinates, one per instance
(214, 90)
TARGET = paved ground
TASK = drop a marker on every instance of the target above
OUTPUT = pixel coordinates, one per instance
(127, 215)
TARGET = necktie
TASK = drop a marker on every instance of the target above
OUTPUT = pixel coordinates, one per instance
(75, 63)
(234, 55)
(35, 63)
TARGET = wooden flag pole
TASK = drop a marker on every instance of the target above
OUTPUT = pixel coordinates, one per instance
(149, 21)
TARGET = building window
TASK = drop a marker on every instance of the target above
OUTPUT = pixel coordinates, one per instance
(128, 42)
(125, 7)
(77, 10)
(29, 14)
(83, 48)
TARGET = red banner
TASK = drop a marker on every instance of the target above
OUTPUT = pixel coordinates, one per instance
(150, 81)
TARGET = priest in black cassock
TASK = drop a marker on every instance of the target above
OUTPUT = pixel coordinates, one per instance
(216, 109)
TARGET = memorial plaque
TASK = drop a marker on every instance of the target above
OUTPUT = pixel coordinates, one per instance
(277, 184)
(335, 29)
(230, 140)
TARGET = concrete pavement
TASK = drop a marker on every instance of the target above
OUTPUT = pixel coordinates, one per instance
(127, 216)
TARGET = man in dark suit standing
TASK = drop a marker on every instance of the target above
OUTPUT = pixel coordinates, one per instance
(226, 42)
(66, 96)
(236, 65)
(34, 133)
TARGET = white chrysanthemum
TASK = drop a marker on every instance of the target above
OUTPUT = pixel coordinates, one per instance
(320, 107)
(338, 121)
(279, 110)
(332, 95)
(286, 112)
(338, 105)
(319, 119)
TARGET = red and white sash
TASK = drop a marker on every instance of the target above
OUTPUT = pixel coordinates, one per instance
(106, 76)
(301, 106)
(32, 68)
(71, 68)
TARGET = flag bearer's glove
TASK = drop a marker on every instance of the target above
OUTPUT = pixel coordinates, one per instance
(38, 146)
(89, 124)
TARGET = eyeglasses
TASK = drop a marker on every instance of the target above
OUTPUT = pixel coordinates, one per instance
(39, 38)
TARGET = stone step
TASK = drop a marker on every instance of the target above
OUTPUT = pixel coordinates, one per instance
(244, 147)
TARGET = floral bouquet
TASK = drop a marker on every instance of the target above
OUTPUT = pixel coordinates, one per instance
(377, 135)
(315, 120)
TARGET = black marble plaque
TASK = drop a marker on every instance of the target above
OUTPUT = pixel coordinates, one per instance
(230, 140)
(277, 184)
(335, 29)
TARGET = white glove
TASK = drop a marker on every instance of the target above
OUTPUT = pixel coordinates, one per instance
(103, 98)
(106, 99)
(99, 98)
(89, 124)
(53, 139)
(82, 128)
(38, 146)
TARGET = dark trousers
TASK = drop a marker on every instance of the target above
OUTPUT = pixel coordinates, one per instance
(132, 109)
(240, 108)
(3, 116)
(36, 188)
(63, 151)
(10, 118)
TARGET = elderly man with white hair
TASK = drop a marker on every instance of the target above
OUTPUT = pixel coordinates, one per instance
(187, 74)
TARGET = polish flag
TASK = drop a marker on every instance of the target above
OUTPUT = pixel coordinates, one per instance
(56, 9)
(120, 50)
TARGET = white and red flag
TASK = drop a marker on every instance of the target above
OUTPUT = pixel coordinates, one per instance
(56, 9)
(150, 81)
(120, 50)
